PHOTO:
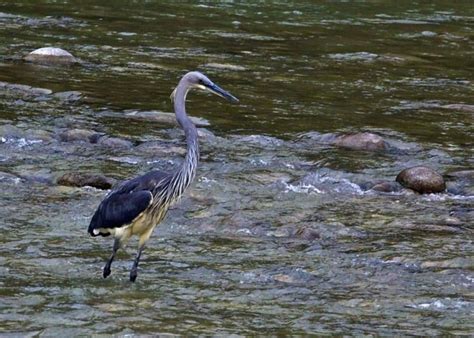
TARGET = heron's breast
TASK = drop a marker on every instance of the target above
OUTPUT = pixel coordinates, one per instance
(147, 220)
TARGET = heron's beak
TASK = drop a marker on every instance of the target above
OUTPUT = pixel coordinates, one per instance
(215, 89)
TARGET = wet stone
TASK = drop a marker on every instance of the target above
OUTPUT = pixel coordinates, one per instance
(461, 188)
(306, 233)
(205, 134)
(162, 117)
(51, 56)
(225, 66)
(468, 108)
(81, 180)
(262, 140)
(10, 131)
(462, 174)
(387, 186)
(158, 147)
(361, 141)
(82, 135)
(114, 142)
(69, 96)
(25, 89)
(421, 179)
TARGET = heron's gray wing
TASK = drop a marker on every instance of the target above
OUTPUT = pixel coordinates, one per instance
(125, 203)
(120, 209)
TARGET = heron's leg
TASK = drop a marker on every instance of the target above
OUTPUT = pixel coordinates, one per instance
(133, 272)
(117, 245)
(141, 245)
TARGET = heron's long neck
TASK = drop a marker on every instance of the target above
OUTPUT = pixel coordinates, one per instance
(184, 176)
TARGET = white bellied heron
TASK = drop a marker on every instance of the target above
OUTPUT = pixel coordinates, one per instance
(136, 206)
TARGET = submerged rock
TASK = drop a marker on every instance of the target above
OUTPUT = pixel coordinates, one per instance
(69, 96)
(361, 141)
(159, 147)
(51, 55)
(225, 66)
(387, 186)
(114, 142)
(468, 108)
(25, 90)
(83, 135)
(162, 117)
(81, 180)
(306, 233)
(462, 174)
(421, 179)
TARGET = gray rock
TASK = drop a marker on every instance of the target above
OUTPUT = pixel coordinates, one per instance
(468, 108)
(161, 148)
(10, 131)
(73, 135)
(306, 233)
(462, 174)
(51, 55)
(81, 180)
(421, 179)
(162, 117)
(387, 186)
(25, 89)
(225, 66)
(361, 141)
(114, 142)
(69, 96)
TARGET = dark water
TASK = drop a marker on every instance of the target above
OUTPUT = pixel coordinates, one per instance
(279, 234)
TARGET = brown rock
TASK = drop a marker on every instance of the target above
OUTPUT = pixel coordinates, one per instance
(421, 179)
(361, 141)
(83, 135)
(81, 180)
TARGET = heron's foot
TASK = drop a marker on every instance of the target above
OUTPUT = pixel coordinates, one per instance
(133, 275)
(107, 271)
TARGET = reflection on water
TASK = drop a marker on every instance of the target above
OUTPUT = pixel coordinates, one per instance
(280, 233)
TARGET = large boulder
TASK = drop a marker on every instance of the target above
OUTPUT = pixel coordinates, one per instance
(421, 179)
(51, 55)
(361, 141)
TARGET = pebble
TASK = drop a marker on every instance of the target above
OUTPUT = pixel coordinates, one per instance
(421, 179)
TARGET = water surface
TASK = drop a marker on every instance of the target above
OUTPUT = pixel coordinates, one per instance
(279, 234)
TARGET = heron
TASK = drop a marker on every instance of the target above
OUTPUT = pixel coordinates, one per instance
(138, 205)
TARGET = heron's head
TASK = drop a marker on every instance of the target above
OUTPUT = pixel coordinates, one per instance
(201, 81)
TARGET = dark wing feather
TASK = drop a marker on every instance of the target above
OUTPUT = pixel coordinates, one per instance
(126, 203)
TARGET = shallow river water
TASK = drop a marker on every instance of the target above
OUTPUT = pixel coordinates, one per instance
(281, 232)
